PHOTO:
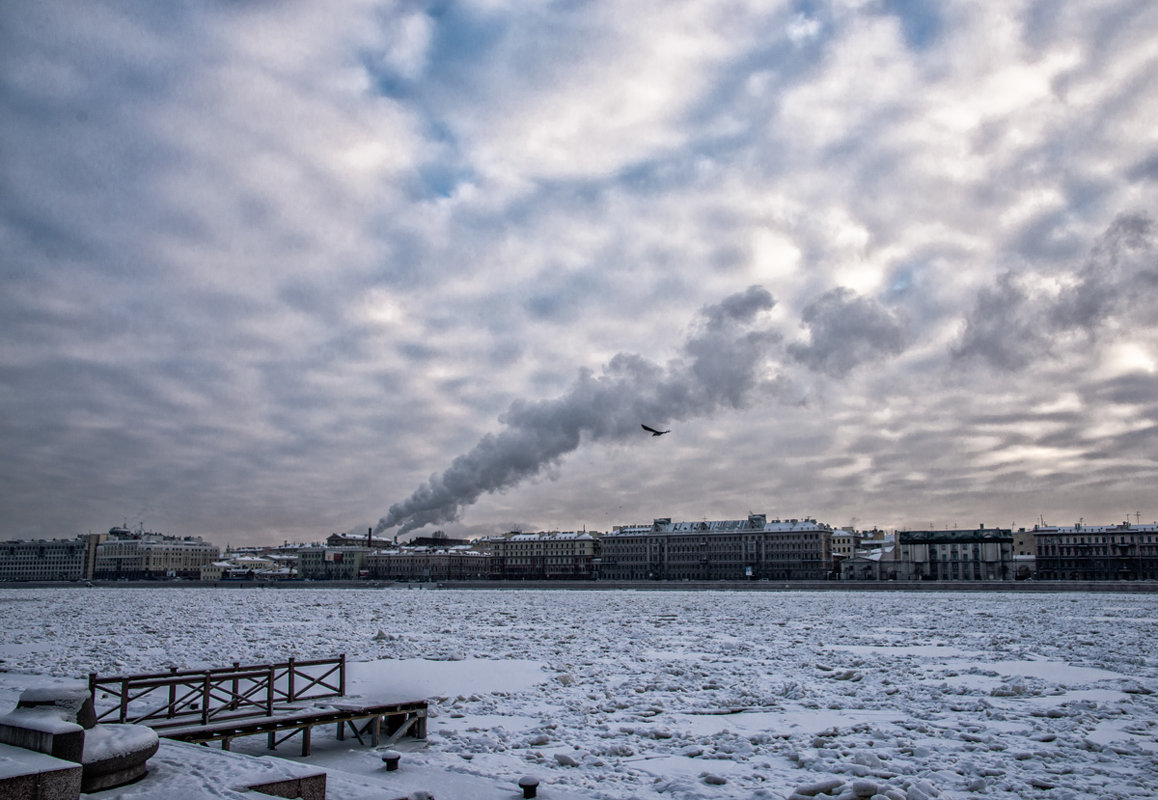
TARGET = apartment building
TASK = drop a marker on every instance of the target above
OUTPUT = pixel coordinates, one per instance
(845, 542)
(48, 559)
(126, 555)
(546, 555)
(955, 555)
(319, 563)
(423, 563)
(1097, 552)
(755, 548)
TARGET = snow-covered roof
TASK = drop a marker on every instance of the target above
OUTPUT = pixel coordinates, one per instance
(1127, 527)
(877, 553)
(543, 536)
(336, 548)
(753, 523)
(552, 535)
(423, 550)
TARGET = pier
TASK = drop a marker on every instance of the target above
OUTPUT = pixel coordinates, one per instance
(279, 701)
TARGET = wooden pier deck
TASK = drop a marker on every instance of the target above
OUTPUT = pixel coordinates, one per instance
(278, 700)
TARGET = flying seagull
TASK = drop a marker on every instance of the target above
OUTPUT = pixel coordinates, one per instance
(653, 431)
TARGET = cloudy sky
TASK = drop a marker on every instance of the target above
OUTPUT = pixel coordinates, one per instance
(274, 270)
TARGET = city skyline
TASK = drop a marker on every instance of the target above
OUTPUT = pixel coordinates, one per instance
(424, 537)
(283, 270)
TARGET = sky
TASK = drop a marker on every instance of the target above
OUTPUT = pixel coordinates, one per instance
(277, 270)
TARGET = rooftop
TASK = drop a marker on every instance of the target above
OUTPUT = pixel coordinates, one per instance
(755, 522)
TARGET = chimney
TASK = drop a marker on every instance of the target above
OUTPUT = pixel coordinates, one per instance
(370, 538)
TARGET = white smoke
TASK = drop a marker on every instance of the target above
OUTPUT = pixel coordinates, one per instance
(722, 364)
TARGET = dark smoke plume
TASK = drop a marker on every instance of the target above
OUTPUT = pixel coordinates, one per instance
(721, 365)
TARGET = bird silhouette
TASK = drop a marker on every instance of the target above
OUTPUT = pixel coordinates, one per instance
(653, 431)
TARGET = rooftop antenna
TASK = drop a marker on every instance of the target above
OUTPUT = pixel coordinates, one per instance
(1137, 517)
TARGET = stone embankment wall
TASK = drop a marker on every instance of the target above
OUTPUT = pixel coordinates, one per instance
(650, 586)
(811, 586)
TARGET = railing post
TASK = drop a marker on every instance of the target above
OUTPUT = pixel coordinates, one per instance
(172, 694)
(92, 684)
(342, 675)
(205, 698)
(269, 691)
(289, 674)
(124, 713)
(233, 699)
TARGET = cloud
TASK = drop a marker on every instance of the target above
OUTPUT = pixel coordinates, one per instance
(1010, 325)
(268, 266)
(1120, 277)
(1003, 328)
(846, 330)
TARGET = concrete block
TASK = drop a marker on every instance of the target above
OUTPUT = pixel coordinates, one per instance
(29, 775)
(42, 734)
(310, 787)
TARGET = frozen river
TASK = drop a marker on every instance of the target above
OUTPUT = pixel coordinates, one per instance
(621, 694)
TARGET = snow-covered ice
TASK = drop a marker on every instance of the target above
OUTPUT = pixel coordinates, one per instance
(668, 694)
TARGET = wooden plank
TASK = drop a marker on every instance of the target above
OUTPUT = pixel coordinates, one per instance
(401, 730)
(401, 719)
(354, 727)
